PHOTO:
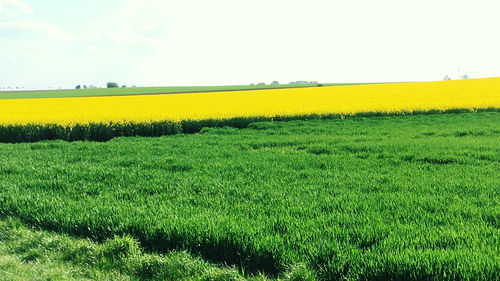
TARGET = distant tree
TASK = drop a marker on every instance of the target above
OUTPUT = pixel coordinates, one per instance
(112, 85)
(124, 86)
(447, 77)
(133, 86)
(300, 82)
(78, 87)
(85, 86)
(261, 84)
(465, 76)
(275, 82)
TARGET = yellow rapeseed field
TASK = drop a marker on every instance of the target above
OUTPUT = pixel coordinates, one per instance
(387, 98)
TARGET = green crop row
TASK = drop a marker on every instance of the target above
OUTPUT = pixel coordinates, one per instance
(381, 198)
(108, 131)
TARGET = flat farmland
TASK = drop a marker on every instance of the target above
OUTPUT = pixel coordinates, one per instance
(102, 118)
(379, 198)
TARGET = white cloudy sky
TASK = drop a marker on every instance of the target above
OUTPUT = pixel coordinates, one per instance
(61, 43)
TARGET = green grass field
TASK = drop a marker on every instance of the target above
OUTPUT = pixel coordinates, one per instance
(380, 198)
(147, 90)
(30, 254)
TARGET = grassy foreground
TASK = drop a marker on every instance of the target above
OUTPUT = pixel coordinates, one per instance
(382, 198)
(28, 254)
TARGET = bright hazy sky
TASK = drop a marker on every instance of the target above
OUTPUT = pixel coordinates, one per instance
(62, 43)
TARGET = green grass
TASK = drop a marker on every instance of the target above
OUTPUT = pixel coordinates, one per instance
(146, 90)
(380, 198)
(30, 254)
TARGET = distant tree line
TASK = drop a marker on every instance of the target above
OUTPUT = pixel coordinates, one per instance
(108, 85)
(459, 76)
(86, 87)
(114, 85)
(12, 88)
(300, 82)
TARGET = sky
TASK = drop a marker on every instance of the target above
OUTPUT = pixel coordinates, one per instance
(59, 43)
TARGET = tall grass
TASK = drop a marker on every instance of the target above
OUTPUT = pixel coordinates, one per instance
(380, 198)
(30, 254)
